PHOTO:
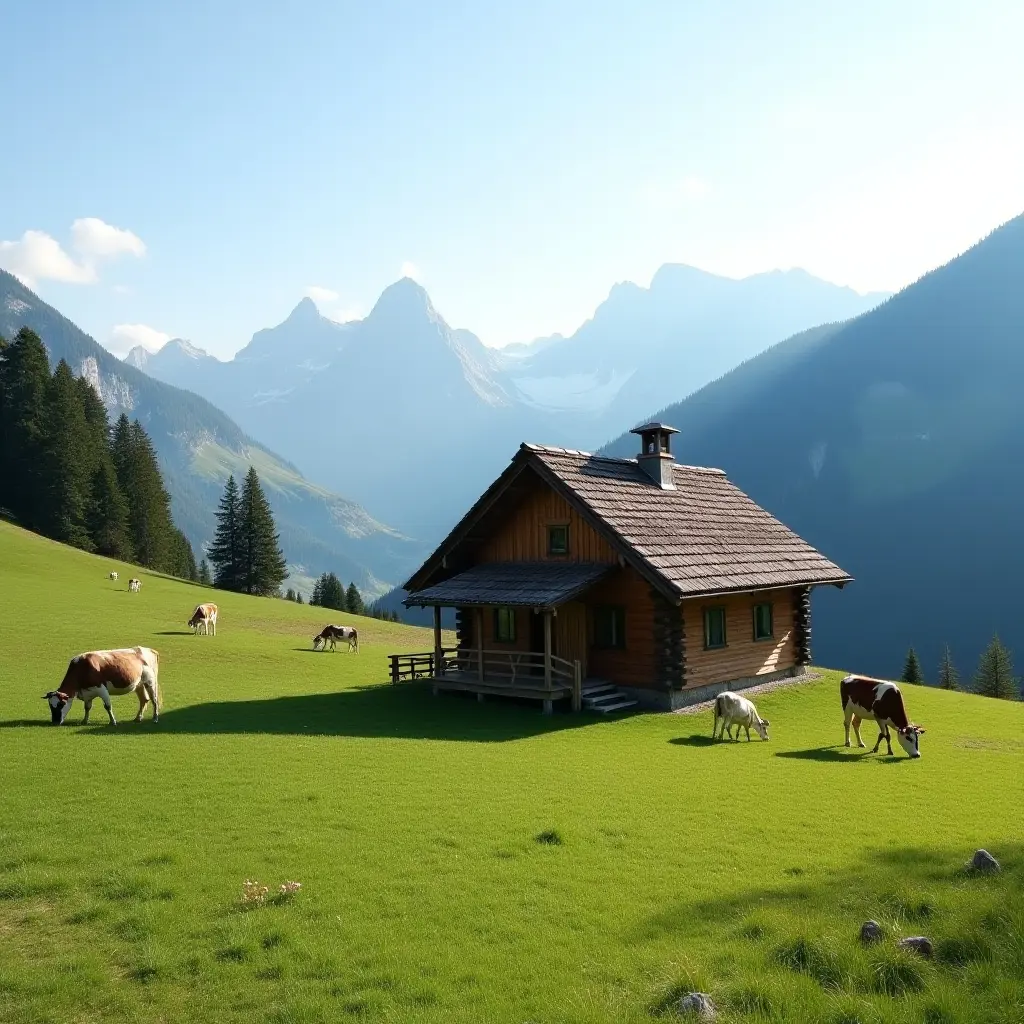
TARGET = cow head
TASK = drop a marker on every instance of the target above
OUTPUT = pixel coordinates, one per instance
(60, 704)
(910, 739)
(317, 640)
(761, 725)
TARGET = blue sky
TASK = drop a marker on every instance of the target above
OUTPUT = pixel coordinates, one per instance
(517, 159)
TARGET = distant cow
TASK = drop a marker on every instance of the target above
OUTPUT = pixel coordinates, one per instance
(331, 634)
(732, 709)
(102, 673)
(113, 575)
(882, 701)
(134, 586)
(205, 615)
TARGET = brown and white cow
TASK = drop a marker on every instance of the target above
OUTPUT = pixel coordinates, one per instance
(103, 673)
(134, 586)
(880, 700)
(205, 615)
(331, 634)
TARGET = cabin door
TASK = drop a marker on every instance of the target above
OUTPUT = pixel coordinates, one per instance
(537, 641)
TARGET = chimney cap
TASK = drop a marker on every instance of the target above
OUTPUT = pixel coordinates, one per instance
(650, 428)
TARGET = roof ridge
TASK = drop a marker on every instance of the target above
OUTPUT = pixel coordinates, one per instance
(551, 449)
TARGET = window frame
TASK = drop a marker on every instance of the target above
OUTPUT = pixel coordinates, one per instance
(617, 618)
(510, 620)
(770, 635)
(720, 610)
(552, 553)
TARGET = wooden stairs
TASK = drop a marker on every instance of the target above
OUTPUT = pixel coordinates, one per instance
(604, 697)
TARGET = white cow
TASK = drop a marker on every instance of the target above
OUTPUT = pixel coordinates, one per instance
(732, 709)
(134, 586)
(113, 575)
(205, 615)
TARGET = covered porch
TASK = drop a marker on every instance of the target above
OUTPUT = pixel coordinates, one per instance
(522, 632)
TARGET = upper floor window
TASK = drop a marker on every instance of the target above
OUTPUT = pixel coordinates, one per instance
(505, 625)
(610, 627)
(714, 627)
(763, 626)
(558, 539)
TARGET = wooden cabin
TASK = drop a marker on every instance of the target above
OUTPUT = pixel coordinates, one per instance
(606, 582)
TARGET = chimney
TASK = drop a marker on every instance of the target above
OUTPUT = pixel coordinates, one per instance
(655, 456)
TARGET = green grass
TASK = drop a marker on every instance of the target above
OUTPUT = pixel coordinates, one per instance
(465, 862)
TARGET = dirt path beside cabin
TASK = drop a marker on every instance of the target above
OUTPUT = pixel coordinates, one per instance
(750, 691)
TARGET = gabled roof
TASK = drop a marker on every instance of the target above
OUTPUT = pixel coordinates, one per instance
(529, 584)
(705, 537)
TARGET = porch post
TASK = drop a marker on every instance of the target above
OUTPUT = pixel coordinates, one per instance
(438, 653)
(547, 648)
(480, 644)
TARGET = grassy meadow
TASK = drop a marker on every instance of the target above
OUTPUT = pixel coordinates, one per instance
(464, 862)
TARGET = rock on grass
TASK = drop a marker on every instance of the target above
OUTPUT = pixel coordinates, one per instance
(699, 1005)
(870, 931)
(984, 862)
(919, 944)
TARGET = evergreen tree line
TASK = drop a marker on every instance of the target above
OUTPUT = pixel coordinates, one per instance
(66, 475)
(993, 677)
(246, 550)
(330, 592)
(293, 595)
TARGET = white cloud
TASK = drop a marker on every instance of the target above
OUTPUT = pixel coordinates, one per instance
(321, 295)
(126, 336)
(343, 314)
(410, 269)
(95, 239)
(37, 256)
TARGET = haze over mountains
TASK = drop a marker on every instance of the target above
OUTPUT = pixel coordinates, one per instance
(895, 444)
(412, 417)
(198, 445)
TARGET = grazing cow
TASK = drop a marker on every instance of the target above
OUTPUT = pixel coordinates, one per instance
(134, 586)
(205, 615)
(113, 575)
(331, 634)
(102, 673)
(732, 709)
(882, 701)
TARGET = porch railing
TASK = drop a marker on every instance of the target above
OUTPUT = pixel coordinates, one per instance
(492, 668)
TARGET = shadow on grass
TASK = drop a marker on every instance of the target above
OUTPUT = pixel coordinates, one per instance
(822, 754)
(173, 632)
(401, 712)
(694, 741)
(24, 723)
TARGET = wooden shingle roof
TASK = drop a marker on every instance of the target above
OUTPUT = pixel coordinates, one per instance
(705, 537)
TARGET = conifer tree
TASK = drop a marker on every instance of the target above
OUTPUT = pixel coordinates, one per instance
(354, 600)
(994, 677)
(204, 573)
(289, 594)
(298, 597)
(24, 387)
(949, 678)
(182, 559)
(912, 668)
(329, 592)
(107, 518)
(69, 460)
(263, 564)
(226, 550)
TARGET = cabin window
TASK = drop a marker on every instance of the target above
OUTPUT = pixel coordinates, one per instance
(763, 626)
(714, 627)
(505, 625)
(610, 628)
(558, 539)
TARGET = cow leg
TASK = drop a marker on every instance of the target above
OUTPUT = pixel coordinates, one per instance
(140, 692)
(88, 708)
(888, 741)
(747, 727)
(856, 729)
(847, 717)
(153, 694)
(105, 697)
(878, 742)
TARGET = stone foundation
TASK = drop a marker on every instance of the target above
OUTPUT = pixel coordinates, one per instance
(661, 700)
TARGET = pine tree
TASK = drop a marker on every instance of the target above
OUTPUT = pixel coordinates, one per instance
(298, 597)
(69, 462)
(204, 573)
(949, 678)
(24, 414)
(994, 677)
(264, 568)
(226, 550)
(107, 518)
(149, 505)
(354, 600)
(182, 558)
(912, 669)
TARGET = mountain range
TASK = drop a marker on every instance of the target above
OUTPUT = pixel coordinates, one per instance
(198, 446)
(412, 417)
(894, 444)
